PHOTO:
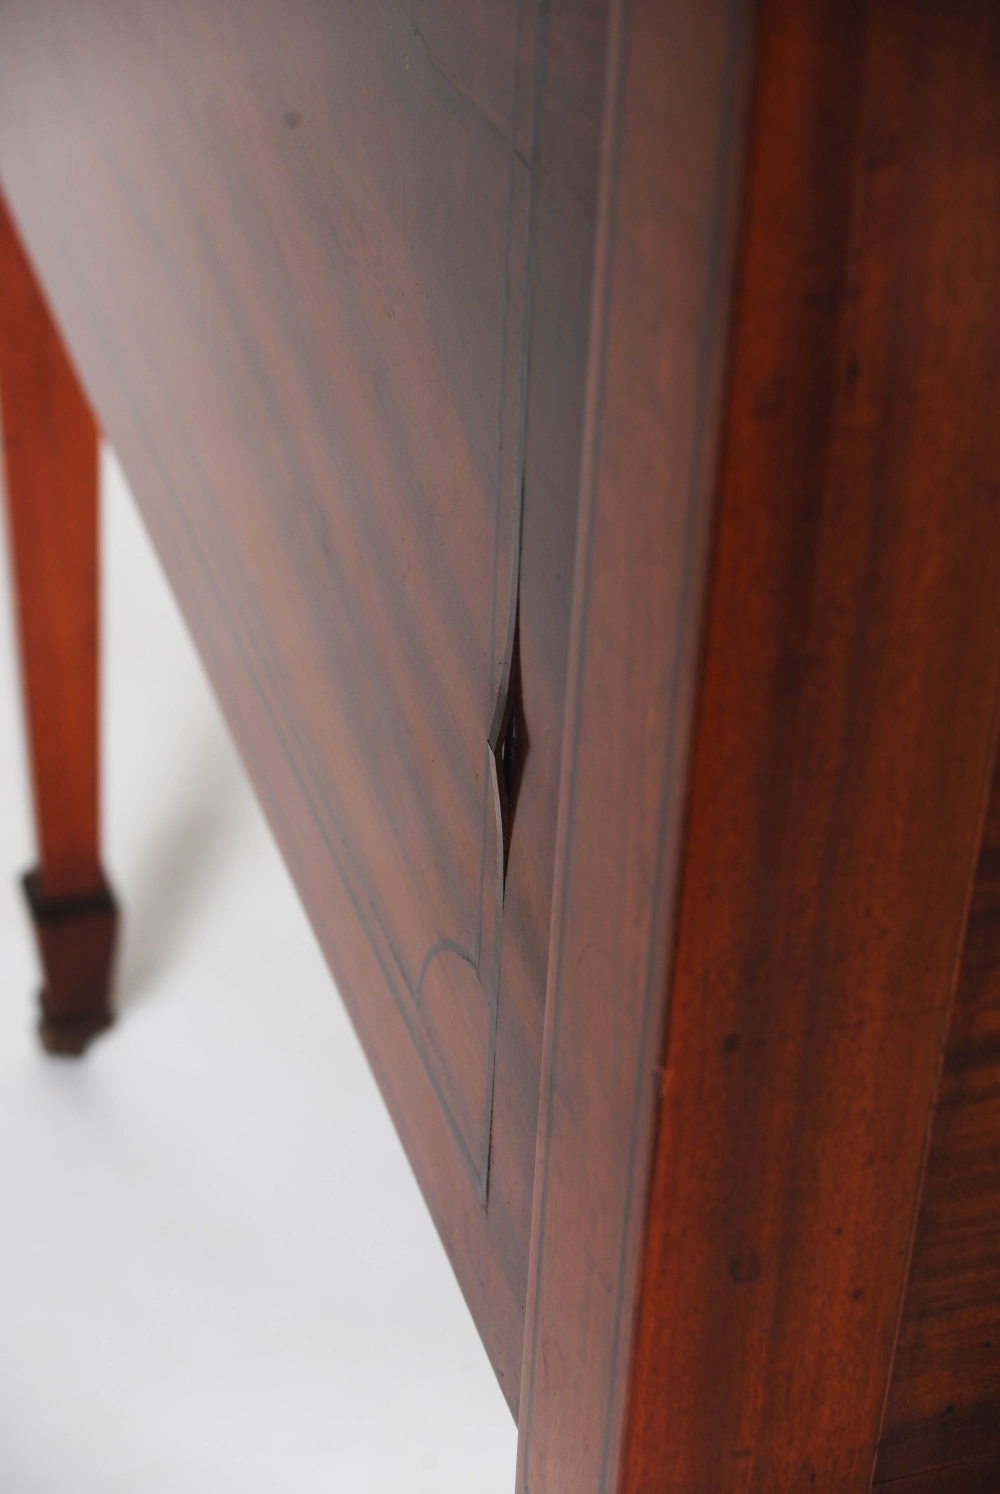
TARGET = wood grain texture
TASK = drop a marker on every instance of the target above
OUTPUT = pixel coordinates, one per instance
(375, 301)
(941, 1433)
(674, 119)
(326, 271)
(842, 756)
(50, 480)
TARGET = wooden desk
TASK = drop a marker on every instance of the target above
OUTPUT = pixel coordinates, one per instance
(571, 431)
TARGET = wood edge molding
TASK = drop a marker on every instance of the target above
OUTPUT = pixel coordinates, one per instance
(661, 310)
(722, 1223)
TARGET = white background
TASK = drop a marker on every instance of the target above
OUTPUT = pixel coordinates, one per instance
(216, 1271)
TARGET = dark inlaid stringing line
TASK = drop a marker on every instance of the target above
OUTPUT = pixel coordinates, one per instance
(232, 611)
(541, 36)
(232, 607)
(501, 414)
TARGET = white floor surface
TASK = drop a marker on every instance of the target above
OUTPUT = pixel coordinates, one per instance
(216, 1271)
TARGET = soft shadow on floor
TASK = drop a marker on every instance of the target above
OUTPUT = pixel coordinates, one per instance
(208, 820)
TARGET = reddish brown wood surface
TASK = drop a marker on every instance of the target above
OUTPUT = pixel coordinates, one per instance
(50, 445)
(675, 113)
(843, 751)
(325, 270)
(841, 754)
(941, 1433)
(50, 469)
(337, 281)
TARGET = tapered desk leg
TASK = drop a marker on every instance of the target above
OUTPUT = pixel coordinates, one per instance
(51, 452)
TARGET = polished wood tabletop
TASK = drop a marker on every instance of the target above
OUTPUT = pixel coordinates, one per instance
(570, 428)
